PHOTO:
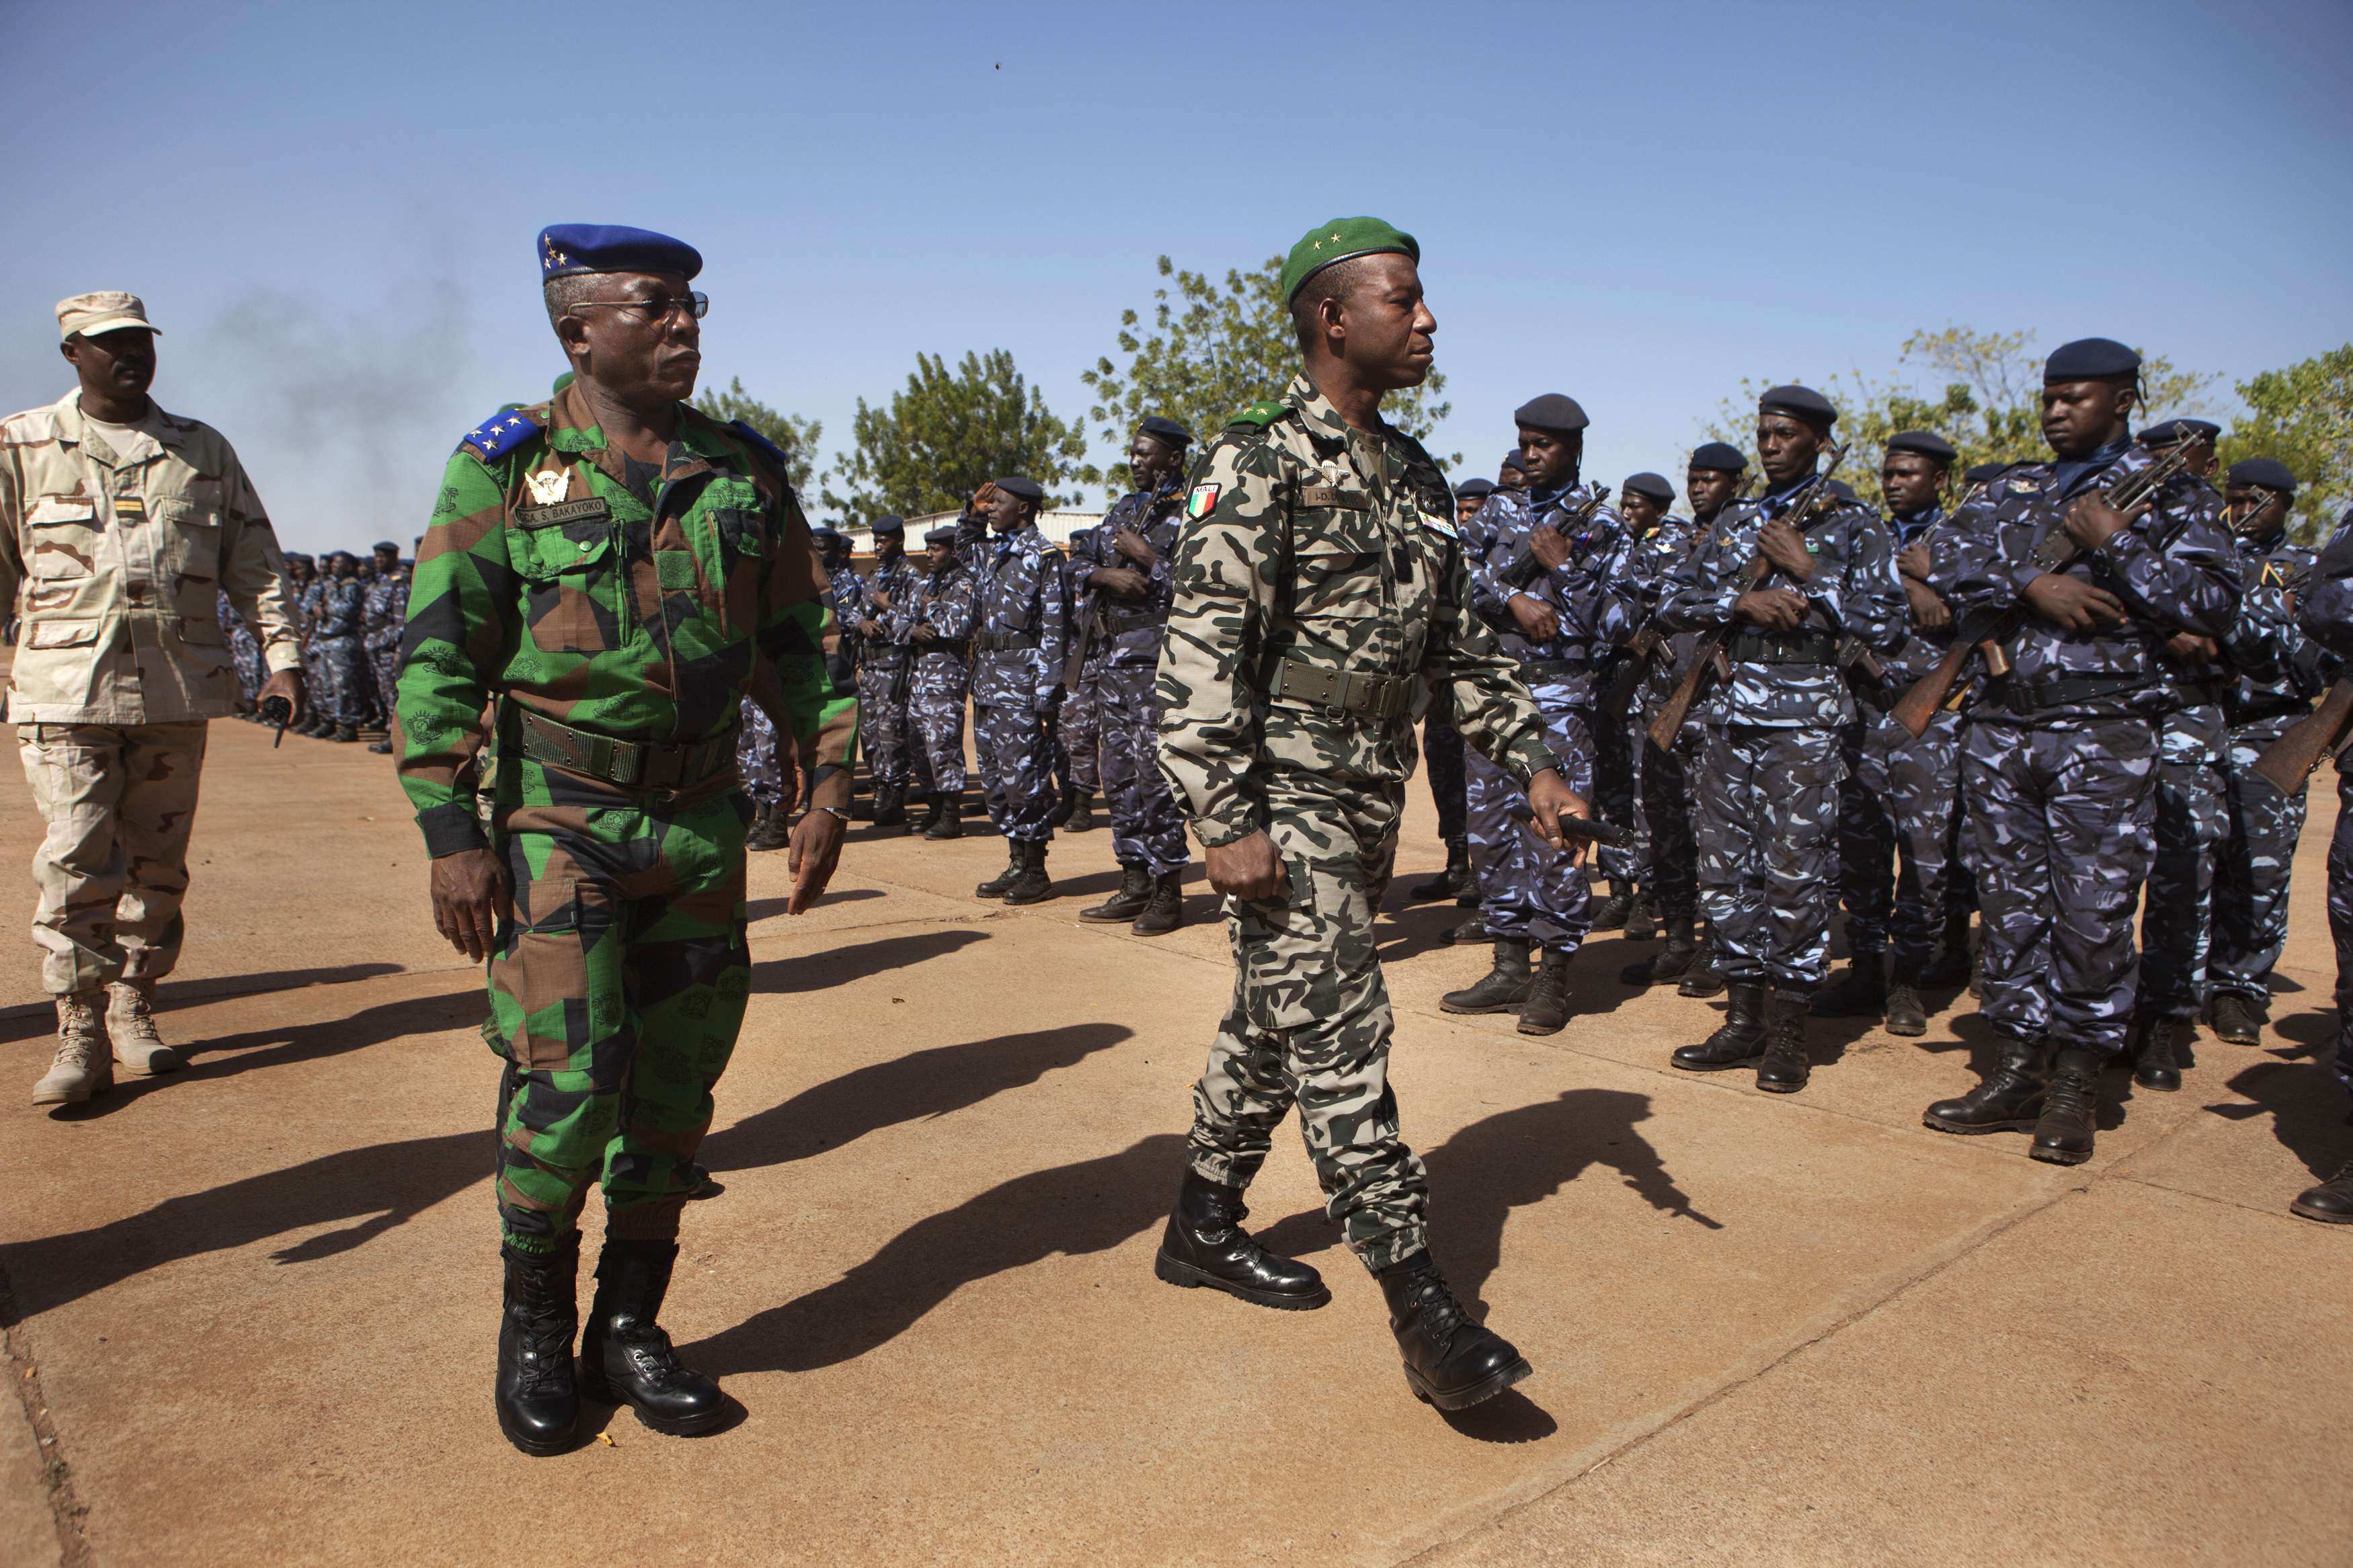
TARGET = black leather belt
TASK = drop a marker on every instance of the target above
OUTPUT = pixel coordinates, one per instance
(632, 764)
(2201, 693)
(2066, 691)
(2278, 708)
(1002, 642)
(1782, 647)
(960, 647)
(1534, 670)
(1343, 691)
(1117, 621)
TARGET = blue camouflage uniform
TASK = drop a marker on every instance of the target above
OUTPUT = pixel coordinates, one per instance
(244, 652)
(1673, 855)
(336, 640)
(1148, 826)
(1020, 636)
(943, 601)
(1078, 727)
(885, 671)
(2324, 612)
(384, 614)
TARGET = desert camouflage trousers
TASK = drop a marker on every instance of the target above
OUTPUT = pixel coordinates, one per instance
(1078, 733)
(1674, 865)
(2176, 925)
(882, 697)
(616, 991)
(2340, 922)
(2062, 822)
(1767, 827)
(2251, 867)
(935, 710)
(1899, 825)
(1441, 754)
(112, 867)
(1310, 1022)
(1016, 769)
(1148, 827)
(1528, 890)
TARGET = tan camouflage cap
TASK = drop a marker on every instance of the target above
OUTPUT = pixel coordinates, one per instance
(103, 312)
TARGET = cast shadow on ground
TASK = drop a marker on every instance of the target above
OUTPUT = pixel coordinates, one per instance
(26, 1023)
(922, 1084)
(1092, 1205)
(840, 966)
(759, 910)
(2298, 1090)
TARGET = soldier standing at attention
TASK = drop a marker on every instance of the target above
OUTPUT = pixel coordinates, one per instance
(2058, 758)
(335, 638)
(1643, 503)
(245, 655)
(1441, 755)
(1078, 721)
(383, 613)
(1770, 764)
(1318, 583)
(1128, 588)
(119, 525)
(1512, 473)
(2324, 613)
(619, 572)
(1556, 589)
(1021, 619)
(883, 675)
(937, 621)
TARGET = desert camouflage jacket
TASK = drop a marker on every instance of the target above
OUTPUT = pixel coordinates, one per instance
(1127, 631)
(1592, 593)
(1021, 593)
(546, 580)
(1307, 540)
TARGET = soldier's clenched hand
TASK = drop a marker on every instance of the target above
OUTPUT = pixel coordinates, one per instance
(2189, 647)
(1546, 543)
(1774, 609)
(1124, 581)
(1785, 547)
(470, 897)
(286, 683)
(2073, 604)
(1248, 868)
(1928, 612)
(1914, 562)
(2093, 519)
(1550, 799)
(815, 848)
(1537, 622)
(1134, 546)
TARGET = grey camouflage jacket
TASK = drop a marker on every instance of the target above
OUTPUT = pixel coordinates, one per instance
(1593, 593)
(1127, 631)
(1021, 593)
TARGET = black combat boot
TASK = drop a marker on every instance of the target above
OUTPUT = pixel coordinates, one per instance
(1860, 993)
(2331, 1203)
(1740, 1043)
(1705, 976)
(1065, 804)
(1029, 885)
(1907, 1014)
(1165, 912)
(934, 808)
(1134, 892)
(2238, 1019)
(1611, 913)
(1450, 1361)
(381, 748)
(951, 822)
(2158, 1064)
(1672, 961)
(1951, 964)
(890, 805)
(625, 1357)
(1450, 883)
(1786, 1066)
(995, 887)
(1502, 988)
(2009, 1100)
(346, 735)
(1547, 1005)
(770, 828)
(2071, 1103)
(1470, 933)
(1643, 916)
(1082, 810)
(539, 1407)
(1205, 1244)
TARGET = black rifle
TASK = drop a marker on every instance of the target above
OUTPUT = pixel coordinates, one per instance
(1524, 567)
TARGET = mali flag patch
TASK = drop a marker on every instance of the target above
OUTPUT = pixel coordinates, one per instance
(1201, 500)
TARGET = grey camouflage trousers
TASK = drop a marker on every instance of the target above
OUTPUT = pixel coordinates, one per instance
(2177, 927)
(1528, 890)
(2253, 866)
(1765, 827)
(1309, 1022)
(1078, 733)
(757, 761)
(342, 669)
(1616, 785)
(1899, 812)
(1016, 769)
(882, 719)
(1148, 826)
(1667, 822)
(2063, 825)
(935, 713)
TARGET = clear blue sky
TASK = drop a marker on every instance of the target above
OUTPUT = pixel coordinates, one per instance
(331, 207)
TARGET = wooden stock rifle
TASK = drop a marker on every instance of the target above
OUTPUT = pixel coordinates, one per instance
(1650, 642)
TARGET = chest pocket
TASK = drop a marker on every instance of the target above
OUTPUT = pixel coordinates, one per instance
(571, 598)
(188, 534)
(1339, 551)
(64, 538)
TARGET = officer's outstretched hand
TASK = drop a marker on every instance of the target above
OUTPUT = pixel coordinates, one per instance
(815, 848)
(470, 897)
(1550, 800)
(1248, 868)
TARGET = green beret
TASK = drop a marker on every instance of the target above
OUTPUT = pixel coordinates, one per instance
(1339, 240)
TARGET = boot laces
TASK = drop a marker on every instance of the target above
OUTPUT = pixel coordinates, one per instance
(128, 1014)
(648, 1345)
(2072, 1093)
(1441, 1315)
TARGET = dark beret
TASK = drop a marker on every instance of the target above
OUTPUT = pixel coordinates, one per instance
(825, 535)
(1514, 458)
(1339, 240)
(944, 534)
(2268, 472)
(1167, 430)
(2090, 359)
(1800, 402)
(1926, 443)
(1553, 411)
(1027, 490)
(888, 522)
(1986, 473)
(1721, 457)
(2167, 432)
(388, 544)
(1475, 489)
(568, 247)
(1841, 489)
(1652, 485)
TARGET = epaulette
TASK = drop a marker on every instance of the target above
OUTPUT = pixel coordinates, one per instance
(1261, 415)
(501, 433)
(753, 438)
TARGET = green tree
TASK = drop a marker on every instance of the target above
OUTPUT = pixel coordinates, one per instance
(1983, 395)
(796, 436)
(2303, 416)
(1212, 350)
(949, 433)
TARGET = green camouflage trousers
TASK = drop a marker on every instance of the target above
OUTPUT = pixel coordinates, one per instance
(617, 991)
(1310, 1022)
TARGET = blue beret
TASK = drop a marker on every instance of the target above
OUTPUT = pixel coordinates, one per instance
(1167, 430)
(1477, 489)
(568, 247)
(2090, 359)
(1655, 486)
(1553, 411)
(1841, 489)
(1514, 458)
(825, 535)
(1027, 490)
(1926, 443)
(1720, 457)
(888, 522)
(1800, 402)
(2168, 432)
(1986, 473)
(944, 534)
(2268, 472)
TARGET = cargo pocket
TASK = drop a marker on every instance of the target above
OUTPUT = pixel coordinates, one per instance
(1283, 946)
(555, 982)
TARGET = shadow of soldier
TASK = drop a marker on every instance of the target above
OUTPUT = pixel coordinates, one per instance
(1091, 1205)
(860, 961)
(26, 1022)
(2304, 1101)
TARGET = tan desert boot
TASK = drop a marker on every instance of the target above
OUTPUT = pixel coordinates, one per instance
(82, 1069)
(130, 1022)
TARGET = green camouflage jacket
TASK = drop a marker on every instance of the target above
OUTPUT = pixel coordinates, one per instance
(1307, 540)
(543, 579)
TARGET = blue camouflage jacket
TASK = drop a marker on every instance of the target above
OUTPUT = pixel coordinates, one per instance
(1127, 631)
(1593, 592)
(2277, 668)
(943, 601)
(1020, 593)
(899, 579)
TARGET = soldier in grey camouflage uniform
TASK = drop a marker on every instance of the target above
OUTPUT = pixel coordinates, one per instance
(1318, 583)
(244, 653)
(2324, 613)
(885, 671)
(1770, 765)
(2058, 758)
(1643, 503)
(1021, 615)
(935, 621)
(383, 613)
(1078, 722)
(335, 644)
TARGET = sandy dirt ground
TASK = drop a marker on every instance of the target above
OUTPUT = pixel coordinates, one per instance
(254, 1304)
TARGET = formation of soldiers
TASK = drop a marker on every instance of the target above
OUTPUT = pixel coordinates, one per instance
(350, 610)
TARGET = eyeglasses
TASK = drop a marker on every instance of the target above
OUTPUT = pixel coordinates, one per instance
(660, 308)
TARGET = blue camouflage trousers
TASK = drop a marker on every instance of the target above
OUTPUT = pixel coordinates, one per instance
(1766, 828)
(2062, 825)
(1016, 769)
(1616, 785)
(1528, 890)
(2252, 868)
(1148, 827)
(882, 690)
(757, 761)
(1441, 753)
(252, 669)
(2340, 922)
(935, 711)
(1667, 821)
(1078, 733)
(341, 666)
(1899, 817)
(2192, 818)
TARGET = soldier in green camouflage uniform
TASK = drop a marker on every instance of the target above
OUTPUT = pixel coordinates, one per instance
(615, 571)
(1318, 581)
